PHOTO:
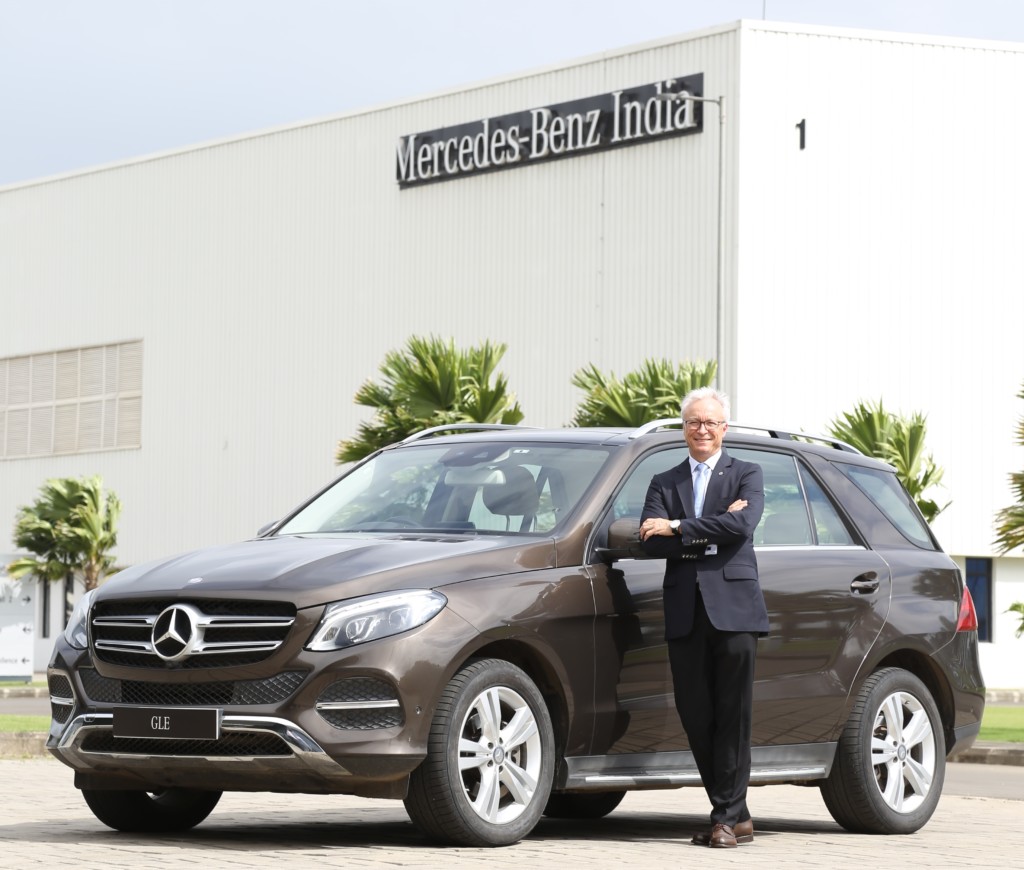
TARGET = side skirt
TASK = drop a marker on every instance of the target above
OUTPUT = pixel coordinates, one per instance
(795, 763)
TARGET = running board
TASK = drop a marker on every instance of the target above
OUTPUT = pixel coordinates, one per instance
(770, 764)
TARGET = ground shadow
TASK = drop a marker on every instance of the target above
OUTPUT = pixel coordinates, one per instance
(379, 827)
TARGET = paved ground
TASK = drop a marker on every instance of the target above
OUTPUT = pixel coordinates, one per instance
(45, 823)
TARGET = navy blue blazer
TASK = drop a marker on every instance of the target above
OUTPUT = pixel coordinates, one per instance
(728, 579)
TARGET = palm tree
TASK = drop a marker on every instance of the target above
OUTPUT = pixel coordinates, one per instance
(72, 529)
(1010, 520)
(429, 383)
(655, 391)
(897, 440)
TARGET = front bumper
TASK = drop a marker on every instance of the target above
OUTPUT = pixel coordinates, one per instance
(287, 760)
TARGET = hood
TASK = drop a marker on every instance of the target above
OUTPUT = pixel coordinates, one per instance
(314, 570)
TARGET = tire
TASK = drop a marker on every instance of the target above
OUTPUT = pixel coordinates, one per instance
(583, 806)
(490, 759)
(157, 812)
(891, 761)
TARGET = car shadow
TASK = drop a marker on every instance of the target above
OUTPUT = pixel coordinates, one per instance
(242, 833)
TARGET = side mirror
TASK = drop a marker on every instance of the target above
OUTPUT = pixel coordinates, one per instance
(623, 541)
(266, 527)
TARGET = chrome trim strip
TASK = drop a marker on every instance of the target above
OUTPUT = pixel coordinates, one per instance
(679, 779)
(220, 647)
(64, 702)
(124, 645)
(124, 621)
(356, 705)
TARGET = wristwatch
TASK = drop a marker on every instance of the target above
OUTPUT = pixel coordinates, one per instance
(674, 525)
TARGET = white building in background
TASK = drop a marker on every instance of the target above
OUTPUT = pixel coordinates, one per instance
(192, 325)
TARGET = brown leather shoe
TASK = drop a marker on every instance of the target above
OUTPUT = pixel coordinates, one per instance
(743, 833)
(723, 837)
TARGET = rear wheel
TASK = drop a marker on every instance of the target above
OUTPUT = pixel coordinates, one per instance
(173, 809)
(490, 759)
(891, 761)
(583, 806)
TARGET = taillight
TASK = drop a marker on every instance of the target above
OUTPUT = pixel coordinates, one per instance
(968, 618)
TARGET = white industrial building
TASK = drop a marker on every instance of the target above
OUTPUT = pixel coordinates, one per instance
(192, 325)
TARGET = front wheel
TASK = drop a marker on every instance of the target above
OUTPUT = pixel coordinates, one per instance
(157, 812)
(490, 759)
(891, 761)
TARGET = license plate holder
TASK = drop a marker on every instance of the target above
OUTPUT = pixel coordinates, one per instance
(167, 723)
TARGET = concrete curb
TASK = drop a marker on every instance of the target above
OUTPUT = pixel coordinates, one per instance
(992, 753)
(23, 744)
(24, 692)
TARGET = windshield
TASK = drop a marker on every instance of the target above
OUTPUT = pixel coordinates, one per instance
(494, 487)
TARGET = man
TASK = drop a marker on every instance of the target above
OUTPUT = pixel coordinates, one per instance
(714, 609)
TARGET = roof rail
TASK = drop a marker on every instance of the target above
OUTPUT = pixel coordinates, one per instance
(771, 432)
(654, 425)
(459, 426)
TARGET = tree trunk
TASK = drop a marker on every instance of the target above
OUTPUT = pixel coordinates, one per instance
(69, 596)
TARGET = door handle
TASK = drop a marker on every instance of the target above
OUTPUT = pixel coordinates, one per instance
(865, 583)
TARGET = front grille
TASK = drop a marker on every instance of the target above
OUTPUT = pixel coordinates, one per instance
(189, 633)
(230, 744)
(272, 690)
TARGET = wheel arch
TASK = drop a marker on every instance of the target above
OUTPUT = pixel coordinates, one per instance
(546, 676)
(928, 672)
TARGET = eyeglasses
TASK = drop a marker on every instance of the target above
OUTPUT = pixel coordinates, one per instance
(710, 425)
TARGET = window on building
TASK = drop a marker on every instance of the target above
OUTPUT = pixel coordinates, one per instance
(979, 582)
(71, 401)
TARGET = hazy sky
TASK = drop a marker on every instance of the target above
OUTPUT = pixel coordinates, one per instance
(87, 82)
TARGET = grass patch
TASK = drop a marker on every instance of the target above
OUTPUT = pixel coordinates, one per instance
(16, 724)
(21, 684)
(1003, 724)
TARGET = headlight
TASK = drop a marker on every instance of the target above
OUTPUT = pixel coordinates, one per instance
(347, 623)
(77, 632)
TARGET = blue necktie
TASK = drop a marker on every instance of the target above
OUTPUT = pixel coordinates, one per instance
(700, 487)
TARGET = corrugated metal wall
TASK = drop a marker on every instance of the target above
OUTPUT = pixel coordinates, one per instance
(267, 278)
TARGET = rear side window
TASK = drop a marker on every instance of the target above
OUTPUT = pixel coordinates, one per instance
(888, 494)
(797, 512)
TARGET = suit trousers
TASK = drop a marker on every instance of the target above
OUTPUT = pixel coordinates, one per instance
(713, 679)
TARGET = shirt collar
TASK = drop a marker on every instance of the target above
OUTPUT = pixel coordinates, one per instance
(711, 462)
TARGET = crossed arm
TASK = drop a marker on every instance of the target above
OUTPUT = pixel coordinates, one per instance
(659, 526)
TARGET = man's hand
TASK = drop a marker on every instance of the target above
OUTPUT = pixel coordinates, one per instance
(654, 526)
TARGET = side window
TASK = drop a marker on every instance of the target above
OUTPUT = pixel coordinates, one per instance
(888, 494)
(829, 526)
(785, 522)
(629, 502)
(797, 512)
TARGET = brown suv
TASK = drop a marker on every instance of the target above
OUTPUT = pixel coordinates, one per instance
(465, 622)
